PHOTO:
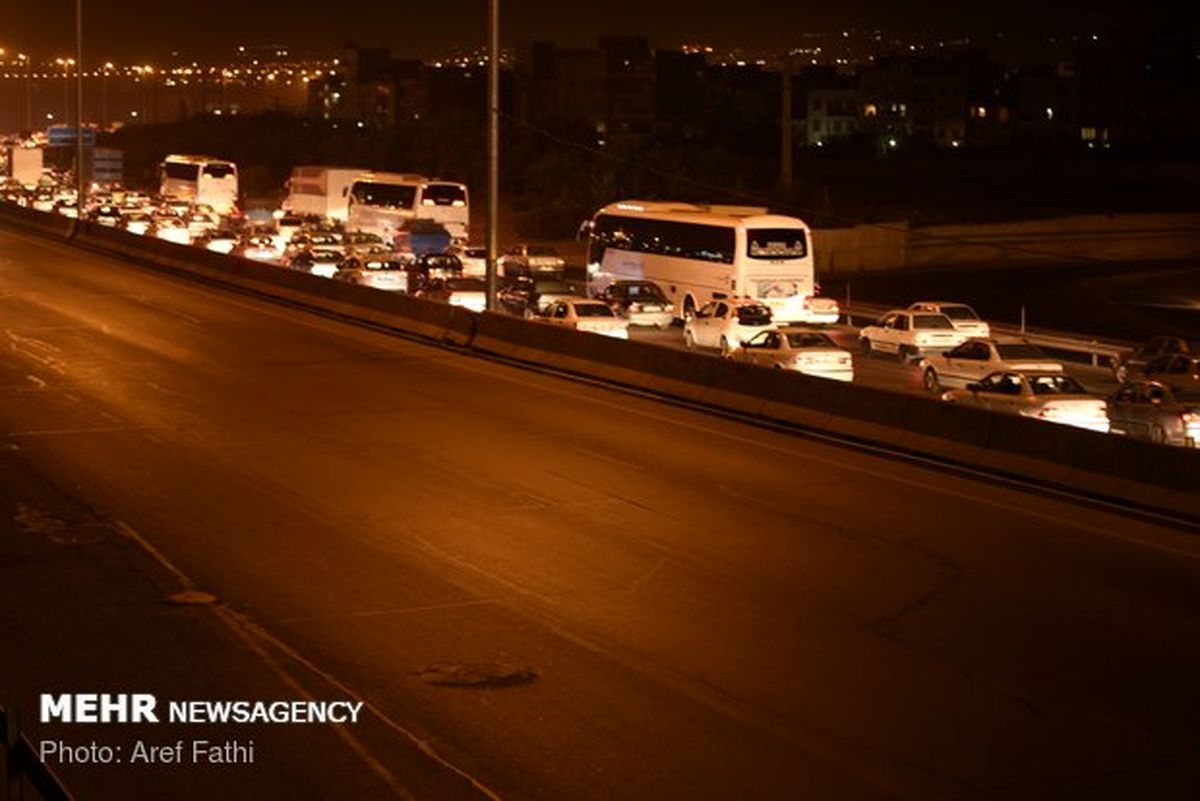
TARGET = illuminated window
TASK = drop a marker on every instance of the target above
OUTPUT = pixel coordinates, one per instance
(870, 110)
(1088, 134)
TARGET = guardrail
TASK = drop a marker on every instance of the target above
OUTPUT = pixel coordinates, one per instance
(1097, 351)
(26, 778)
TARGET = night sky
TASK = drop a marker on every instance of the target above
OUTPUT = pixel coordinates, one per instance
(150, 29)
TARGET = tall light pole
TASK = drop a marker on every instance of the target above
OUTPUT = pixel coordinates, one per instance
(493, 149)
(80, 186)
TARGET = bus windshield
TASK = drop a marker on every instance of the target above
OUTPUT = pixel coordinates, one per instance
(394, 196)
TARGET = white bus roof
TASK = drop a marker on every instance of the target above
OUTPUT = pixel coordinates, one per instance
(710, 214)
(196, 159)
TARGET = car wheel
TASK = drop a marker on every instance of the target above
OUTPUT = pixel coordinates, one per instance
(1121, 373)
(904, 354)
(931, 382)
(689, 341)
(726, 351)
(1157, 435)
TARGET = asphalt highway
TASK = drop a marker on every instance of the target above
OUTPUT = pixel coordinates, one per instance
(656, 602)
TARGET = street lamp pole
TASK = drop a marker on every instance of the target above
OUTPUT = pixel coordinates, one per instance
(493, 149)
(80, 186)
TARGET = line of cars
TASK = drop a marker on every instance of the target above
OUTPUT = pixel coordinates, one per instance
(960, 362)
(958, 359)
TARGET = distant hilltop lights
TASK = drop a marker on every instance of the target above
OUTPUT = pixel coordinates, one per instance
(276, 63)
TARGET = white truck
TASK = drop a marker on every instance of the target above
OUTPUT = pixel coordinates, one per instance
(25, 165)
(322, 191)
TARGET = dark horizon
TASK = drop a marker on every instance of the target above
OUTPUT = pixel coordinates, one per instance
(140, 29)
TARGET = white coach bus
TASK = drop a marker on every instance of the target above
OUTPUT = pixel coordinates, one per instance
(698, 253)
(200, 179)
(382, 202)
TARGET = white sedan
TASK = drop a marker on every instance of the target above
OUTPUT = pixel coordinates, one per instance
(1043, 395)
(909, 334)
(977, 357)
(585, 314)
(726, 324)
(794, 348)
(963, 316)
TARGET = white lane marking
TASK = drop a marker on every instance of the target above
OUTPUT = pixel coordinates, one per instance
(37, 382)
(54, 432)
(130, 533)
(258, 638)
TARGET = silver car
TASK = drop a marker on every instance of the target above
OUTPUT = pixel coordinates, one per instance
(1155, 412)
(800, 349)
(977, 357)
(1043, 395)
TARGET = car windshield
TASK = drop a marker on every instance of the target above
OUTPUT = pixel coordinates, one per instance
(593, 310)
(810, 340)
(959, 312)
(551, 288)
(1057, 384)
(754, 315)
(1020, 350)
(934, 321)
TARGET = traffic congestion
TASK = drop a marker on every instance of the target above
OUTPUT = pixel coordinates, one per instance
(733, 282)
